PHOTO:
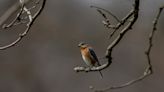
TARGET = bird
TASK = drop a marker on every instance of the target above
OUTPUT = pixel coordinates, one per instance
(89, 56)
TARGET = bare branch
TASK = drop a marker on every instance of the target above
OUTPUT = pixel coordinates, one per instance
(122, 85)
(148, 71)
(114, 43)
(108, 25)
(92, 69)
(123, 21)
(28, 26)
(17, 18)
(98, 8)
(151, 35)
(10, 11)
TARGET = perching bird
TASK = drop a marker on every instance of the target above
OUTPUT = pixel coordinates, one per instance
(89, 55)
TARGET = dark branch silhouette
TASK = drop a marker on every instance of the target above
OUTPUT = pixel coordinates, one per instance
(107, 23)
(148, 71)
(108, 54)
(104, 15)
(131, 18)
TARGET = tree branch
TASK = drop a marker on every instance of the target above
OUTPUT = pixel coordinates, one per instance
(10, 11)
(148, 71)
(123, 21)
(31, 18)
(17, 18)
(107, 23)
(114, 43)
(104, 15)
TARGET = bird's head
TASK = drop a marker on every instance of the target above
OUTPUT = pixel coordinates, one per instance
(83, 45)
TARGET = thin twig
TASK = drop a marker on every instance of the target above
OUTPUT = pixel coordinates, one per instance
(18, 19)
(99, 8)
(107, 22)
(114, 43)
(29, 24)
(123, 21)
(15, 19)
(122, 85)
(151, 36)
(10, 11)
(148, 71)
(92, 69)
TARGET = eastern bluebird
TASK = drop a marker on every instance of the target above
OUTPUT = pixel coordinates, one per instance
(89, 55)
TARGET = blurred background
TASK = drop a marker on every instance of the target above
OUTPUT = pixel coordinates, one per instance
(44, 60)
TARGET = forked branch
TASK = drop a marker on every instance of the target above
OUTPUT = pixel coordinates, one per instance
(132, 16)
(31, 19)
(108, 54)
(148, 71)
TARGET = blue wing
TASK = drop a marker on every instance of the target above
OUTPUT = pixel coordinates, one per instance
(93, 54)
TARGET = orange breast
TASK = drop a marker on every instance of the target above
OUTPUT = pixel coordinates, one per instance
(87, 57)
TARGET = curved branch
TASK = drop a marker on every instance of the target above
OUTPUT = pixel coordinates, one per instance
(92, 69)
(151, 36)
(10, 11)
(114, 43)
(16, 18)
(148, 71)
(29, 24)
(123, 21)
(115, 17)
(123, 85)
(107, 23)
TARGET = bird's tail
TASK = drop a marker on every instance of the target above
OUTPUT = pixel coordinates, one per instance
(101, 74)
